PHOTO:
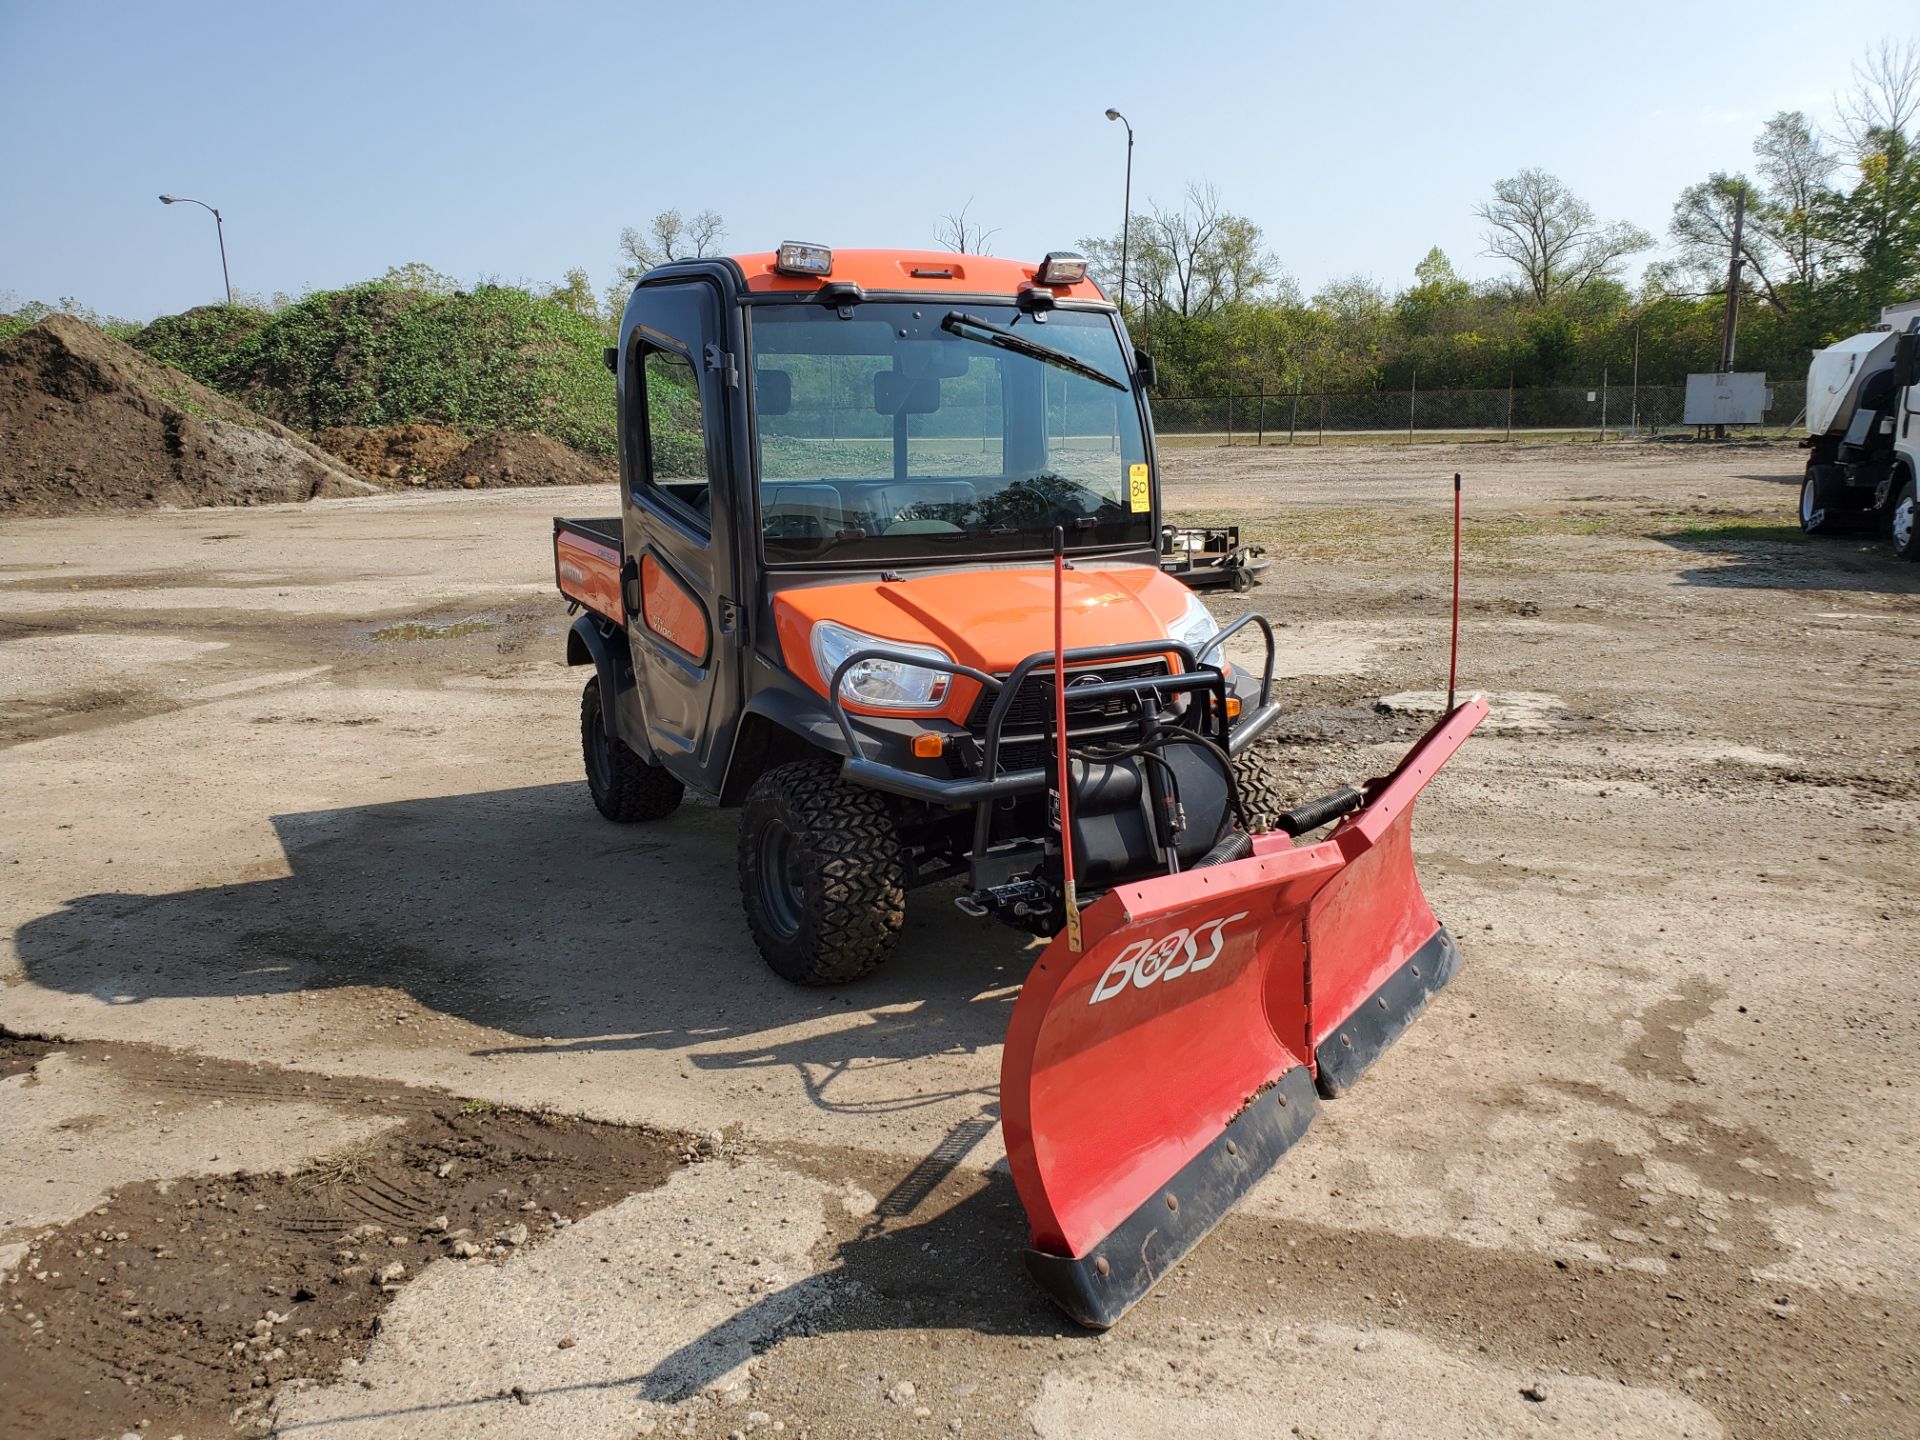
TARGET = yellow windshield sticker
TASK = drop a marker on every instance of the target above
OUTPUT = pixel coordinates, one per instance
(1139, 491)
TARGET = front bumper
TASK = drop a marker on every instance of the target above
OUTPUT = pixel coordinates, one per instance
(1259, 710)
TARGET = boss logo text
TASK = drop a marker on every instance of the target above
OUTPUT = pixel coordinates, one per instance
(1184, 952)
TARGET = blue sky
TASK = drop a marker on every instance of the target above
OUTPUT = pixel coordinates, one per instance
(516, 140)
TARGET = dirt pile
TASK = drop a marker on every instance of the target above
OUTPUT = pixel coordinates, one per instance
(519, 457)
(89, 423)
(395, 454)
(441, 458)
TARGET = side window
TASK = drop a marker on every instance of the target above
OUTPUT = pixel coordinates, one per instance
(676, 458)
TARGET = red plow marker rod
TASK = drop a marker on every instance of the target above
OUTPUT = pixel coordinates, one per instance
(1072, 900)
(1453, 649)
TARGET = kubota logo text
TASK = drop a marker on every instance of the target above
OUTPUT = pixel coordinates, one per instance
(1145, 961)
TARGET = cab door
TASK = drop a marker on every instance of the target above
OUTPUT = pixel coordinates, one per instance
(678, 386)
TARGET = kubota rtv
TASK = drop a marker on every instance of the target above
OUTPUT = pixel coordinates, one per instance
(874, 506)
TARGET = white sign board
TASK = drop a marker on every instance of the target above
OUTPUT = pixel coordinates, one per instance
(1740, 398)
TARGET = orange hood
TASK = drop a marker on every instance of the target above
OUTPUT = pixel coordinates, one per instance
(991, 619)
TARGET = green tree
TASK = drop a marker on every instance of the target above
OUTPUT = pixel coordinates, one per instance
(575, 293)
(419, 278)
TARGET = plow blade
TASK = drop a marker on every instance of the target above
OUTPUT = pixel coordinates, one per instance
(1151, 1079)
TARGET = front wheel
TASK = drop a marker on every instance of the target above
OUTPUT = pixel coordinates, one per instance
(1259, 773)
(625, 788)
(1817, 514)
(821, 874)
(1824, 509)
(1904, 524)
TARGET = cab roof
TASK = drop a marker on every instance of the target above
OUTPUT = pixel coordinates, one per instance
(932, 272)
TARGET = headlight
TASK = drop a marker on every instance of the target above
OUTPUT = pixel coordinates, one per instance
(880, 684)
(1196, 625)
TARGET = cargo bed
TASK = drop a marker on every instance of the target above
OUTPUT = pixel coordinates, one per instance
(587, 556)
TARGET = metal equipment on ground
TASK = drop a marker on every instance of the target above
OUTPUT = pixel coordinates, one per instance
(1207, 556)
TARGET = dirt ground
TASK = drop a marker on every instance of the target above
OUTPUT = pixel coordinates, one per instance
(304, 898)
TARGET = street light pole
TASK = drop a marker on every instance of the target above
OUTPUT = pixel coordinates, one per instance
(1126, 219)
(219, 229)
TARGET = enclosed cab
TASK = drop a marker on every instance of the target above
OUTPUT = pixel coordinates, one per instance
(843, 479)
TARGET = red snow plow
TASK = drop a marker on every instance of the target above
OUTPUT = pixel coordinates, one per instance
(827, 601)
(1152, 1077)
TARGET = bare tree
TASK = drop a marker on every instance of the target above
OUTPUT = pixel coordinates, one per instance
(1552, 236)
(1884, 98)
(669, 236)
(962, 236)
(1193, 260)
(1176, 242)
(1189, 261)
(1797, 170)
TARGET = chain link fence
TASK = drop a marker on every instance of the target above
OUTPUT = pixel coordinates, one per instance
(1602, 411)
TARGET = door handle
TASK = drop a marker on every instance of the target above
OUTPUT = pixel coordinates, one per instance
(630, 587)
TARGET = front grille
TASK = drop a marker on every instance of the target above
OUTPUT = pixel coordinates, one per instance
(1022, 736)
(1032, 708)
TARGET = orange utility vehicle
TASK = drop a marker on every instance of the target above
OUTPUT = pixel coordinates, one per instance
(873, 504)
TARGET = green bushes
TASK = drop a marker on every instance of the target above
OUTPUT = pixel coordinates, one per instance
(388, 354)
(200, 341)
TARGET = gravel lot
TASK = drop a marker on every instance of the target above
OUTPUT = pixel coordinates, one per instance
(304, 899)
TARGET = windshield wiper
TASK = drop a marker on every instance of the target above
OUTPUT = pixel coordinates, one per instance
(960, 323)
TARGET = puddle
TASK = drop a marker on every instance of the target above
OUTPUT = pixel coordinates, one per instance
(1518, 712)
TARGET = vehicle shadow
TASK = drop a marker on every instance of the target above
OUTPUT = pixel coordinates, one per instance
(954, 1266)
(1781, 557)
(523, 912)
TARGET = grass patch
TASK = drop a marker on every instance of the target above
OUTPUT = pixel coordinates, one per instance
(181, 400)
(1737, 532)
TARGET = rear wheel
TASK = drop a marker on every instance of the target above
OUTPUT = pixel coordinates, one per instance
(1904, 524)
(625, 788)
(821, 874)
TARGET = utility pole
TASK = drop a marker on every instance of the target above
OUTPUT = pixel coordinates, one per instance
(1633, 421)
(1733, 294)
(1733, 282)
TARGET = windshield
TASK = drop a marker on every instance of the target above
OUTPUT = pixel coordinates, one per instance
(921, 431)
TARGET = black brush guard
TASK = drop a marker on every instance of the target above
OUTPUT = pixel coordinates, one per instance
(1196, 676)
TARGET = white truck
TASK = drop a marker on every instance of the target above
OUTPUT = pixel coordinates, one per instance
(1863, 433)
